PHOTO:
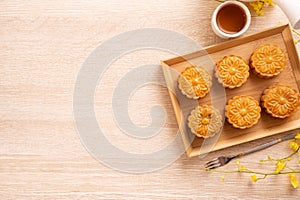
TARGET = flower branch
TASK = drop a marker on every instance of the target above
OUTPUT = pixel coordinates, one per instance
(281, 166)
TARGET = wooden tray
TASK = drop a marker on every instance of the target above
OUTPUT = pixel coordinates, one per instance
(243, 47)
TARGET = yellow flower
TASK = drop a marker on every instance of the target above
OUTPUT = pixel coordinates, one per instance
(294, 145)
(259, 4)
(253, 178)
(294, 181)
(269, 157)
(269, 2)
(242, 168)
(223, 178)
(297, 136)
(279, 166)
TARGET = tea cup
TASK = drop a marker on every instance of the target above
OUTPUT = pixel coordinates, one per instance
(231, 19)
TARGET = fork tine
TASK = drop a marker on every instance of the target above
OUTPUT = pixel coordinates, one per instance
(213, 165)
(212, 161)
(210, 164)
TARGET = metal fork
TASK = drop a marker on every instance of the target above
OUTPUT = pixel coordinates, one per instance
(223, 160)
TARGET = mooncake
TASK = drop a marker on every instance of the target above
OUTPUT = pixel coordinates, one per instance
(243, 112)
(268, 60)
(195, 82)
(205, 121)
(232, 71)
(280, 100)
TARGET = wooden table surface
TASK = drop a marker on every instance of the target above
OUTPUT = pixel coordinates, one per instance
(43, 45)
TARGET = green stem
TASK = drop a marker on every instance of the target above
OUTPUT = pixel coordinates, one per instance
(292, 154)
(265, 176)
(255, 172)
(297, 33)
(290, 168)
(285, 158)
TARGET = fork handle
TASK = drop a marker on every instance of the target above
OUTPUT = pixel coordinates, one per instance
(266, 145)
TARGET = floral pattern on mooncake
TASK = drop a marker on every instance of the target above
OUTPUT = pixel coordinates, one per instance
(232, 71)
(268, 60)
(243, 112)
(195, 82)
(205, 121)
(280, 101)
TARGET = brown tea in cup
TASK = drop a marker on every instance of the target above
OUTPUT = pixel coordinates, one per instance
(231, 18)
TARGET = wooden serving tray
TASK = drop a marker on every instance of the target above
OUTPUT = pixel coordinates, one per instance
(207, 58)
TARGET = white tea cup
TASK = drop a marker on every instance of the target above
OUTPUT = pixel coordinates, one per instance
(231, 19)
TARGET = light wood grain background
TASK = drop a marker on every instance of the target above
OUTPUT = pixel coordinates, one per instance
(42, 47)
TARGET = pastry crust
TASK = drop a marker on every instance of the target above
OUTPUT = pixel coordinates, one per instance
(280, 100)
(205, 121)
(268, 60)
(195, 82)
(232, 71)
(243, 112)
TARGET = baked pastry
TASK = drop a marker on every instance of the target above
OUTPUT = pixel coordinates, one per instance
(205, 121)
(243, 111)
(195, 82)
(268, 60)
(232, 71)
(280, 100)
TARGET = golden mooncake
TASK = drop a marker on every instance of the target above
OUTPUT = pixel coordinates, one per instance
(232, 71)
(268, 60)
(195, 82)
(205, 121)
(280, 101)
(243, 111)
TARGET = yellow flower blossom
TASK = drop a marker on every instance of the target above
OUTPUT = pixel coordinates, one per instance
(253, 178)
(259, 4)
(294, 145)
(279, 166)
(269, 157)
(297, 136)
(240, 167)
(269, 2)
(257, 7)
(223, 178)
(294, 181)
